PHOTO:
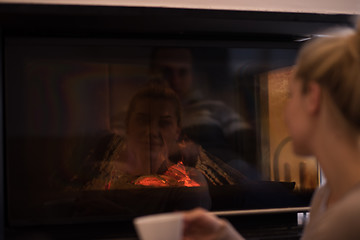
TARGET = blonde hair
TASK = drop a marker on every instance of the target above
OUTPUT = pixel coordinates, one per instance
(334, 63)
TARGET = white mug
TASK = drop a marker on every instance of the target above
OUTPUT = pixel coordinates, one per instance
(165, 226)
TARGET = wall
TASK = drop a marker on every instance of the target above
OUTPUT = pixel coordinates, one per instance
(285, 165)
(308, 6)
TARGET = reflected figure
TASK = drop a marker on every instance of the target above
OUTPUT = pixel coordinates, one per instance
(210, 123)
(134, 169)
(142, 158)
(151, 153)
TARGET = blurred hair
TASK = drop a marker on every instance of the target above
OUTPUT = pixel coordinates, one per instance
(334, 63)
(155, 90)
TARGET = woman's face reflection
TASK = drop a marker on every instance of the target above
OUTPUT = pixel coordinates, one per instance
(153, 127)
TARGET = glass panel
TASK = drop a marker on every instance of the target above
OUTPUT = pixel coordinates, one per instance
(72, 154)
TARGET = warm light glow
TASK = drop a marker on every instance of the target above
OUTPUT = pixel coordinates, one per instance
(176, 175)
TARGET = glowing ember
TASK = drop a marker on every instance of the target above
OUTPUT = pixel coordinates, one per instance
(108, 185)
(176, 175)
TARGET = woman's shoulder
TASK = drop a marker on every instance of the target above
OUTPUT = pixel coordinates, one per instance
(344, 216)
(348, 205)
(340, 221)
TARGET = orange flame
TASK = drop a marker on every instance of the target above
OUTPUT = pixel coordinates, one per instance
(176, 175)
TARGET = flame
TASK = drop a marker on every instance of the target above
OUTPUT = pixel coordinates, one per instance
(176, 175)
(108, 185)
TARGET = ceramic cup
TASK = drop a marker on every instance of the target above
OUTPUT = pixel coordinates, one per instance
(166, 226)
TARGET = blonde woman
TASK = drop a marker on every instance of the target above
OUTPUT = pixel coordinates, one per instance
(323, 117)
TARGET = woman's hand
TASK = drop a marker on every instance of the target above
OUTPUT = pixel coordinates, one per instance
(200, 224)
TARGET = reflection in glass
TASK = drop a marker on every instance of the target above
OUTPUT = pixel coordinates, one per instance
(70, 152)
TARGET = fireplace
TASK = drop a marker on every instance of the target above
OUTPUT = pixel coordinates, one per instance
(69, 73)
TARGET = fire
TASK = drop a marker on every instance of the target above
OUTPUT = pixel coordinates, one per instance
(108, 185)
(176, 175)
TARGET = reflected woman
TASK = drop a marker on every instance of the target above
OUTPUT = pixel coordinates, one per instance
(152, 128)
(152, 155)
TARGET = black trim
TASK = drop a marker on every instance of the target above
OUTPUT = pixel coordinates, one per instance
(3, 209)
(117, 21)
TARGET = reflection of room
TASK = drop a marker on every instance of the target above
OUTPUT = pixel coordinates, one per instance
(68, 74)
